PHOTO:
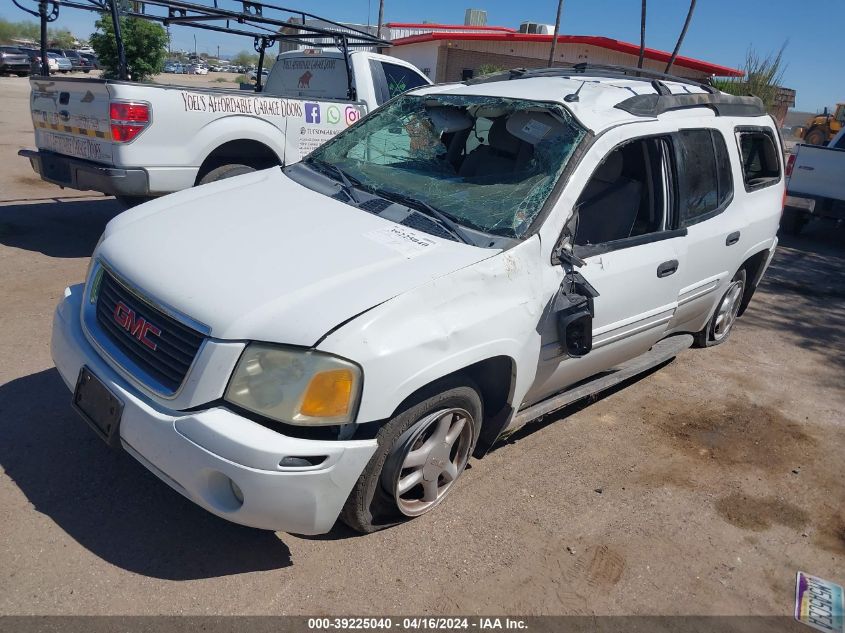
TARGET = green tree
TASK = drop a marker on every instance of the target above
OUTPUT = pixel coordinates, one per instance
(245, 58)
(61, 38)
(18, 30)
(145, 43)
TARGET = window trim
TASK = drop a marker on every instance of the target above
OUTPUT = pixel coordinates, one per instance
(720, 208)
(591, 250)
(745, 129)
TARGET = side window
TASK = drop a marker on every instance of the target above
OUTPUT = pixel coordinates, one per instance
(840, 144)
(760, 164)
(393, 79)
(704, 175)
(628, 195)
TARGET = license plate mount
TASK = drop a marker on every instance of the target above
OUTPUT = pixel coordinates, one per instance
(98, 406)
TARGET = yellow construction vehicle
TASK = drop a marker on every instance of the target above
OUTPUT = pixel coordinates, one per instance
(823, 127)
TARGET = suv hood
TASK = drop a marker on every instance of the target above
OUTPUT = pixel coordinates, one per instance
(261, 257)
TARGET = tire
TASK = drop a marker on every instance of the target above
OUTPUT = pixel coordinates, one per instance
(720, 325)
(816, 136)
(793, 221)
(225, 171)
(132, 201)
(377, 501)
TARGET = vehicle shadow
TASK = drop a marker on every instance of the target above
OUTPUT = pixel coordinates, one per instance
(108, 502)
(59, 228)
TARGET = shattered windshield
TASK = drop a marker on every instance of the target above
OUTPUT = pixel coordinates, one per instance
(488, 163)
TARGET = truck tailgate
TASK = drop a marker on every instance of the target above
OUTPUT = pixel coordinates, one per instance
(71, 117)
(818, 172)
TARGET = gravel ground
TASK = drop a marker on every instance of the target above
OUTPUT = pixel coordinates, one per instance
(700, 488)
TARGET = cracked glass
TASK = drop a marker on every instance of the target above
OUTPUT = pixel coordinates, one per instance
(489, 163)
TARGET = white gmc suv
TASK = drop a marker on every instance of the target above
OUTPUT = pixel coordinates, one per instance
(335, 338)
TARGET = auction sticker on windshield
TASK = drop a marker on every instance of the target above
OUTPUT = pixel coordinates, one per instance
(819, 603)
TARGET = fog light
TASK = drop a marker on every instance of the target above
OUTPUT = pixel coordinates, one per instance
(239, 495)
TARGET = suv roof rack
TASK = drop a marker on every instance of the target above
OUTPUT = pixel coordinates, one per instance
(647, 105)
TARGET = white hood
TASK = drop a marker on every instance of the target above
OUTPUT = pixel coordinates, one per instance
(261, 257)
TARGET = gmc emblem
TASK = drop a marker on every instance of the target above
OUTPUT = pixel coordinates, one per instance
(137, 326)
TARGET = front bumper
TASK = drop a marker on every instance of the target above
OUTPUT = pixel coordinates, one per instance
(85, 175)
(199, 453)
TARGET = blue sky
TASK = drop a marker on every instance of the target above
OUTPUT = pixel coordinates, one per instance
(721, 31)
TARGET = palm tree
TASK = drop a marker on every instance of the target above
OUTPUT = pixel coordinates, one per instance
(681, 37)
(642, 37)
(557, 30)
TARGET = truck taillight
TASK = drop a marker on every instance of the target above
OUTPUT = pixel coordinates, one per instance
(128, 120)
(789, 165)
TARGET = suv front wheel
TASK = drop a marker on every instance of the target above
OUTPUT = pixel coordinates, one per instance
(421, 453)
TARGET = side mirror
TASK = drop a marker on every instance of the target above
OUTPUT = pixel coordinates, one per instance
(574, 312)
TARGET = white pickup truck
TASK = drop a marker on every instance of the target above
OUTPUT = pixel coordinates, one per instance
(815, 184)
(140, 140)
(467, 258)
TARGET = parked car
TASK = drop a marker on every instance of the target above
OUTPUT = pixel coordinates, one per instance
(94, 61)
(337, 337)
(34, 57)
(815, 184)
(63, 64)
(197, 69)
(77, 61)
(13, 61)
(183, 136)
(253, 74)
(172, 67)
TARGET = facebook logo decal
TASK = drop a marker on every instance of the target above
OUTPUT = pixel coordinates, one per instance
(312, 112)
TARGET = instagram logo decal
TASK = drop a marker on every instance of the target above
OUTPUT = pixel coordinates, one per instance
(352, 114)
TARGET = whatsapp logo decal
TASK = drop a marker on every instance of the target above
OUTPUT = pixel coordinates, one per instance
(333, 114)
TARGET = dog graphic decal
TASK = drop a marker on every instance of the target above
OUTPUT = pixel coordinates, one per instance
(305, 79)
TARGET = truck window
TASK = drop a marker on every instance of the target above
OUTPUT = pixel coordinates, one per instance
(628, 195)
(392, 79)
(760, 164)
(312, 75)
(703, 175)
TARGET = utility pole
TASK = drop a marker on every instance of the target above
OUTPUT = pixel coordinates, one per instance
(195, 46)
(380, 17)
(557, 30)
(642, 38)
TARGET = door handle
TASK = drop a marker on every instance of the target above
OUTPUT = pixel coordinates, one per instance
(667, 268)
(806, 168)
(732, 239)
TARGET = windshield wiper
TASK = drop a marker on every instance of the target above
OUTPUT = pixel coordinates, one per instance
(348, 186)
(427, 210)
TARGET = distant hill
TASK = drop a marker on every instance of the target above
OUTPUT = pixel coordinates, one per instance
(796, 117)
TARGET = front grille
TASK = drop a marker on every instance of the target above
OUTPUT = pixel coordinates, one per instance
(176, 344)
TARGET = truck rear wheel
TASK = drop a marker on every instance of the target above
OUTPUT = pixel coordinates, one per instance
(225, 171)
(793, 221)
(421, 453)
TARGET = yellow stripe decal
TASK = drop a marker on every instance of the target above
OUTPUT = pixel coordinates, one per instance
(79, 131)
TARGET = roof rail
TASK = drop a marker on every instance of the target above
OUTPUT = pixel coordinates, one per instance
(723, 104)
(646, 105)
(595, 70)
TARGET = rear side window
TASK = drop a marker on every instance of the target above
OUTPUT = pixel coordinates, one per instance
(392, 79)
(840, 144)
(760, 163)
(704, 175)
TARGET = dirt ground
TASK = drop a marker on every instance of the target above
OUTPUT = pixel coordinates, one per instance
(701, 488)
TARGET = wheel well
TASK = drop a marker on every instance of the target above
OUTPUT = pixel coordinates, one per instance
(494, 377)
(243, 152)
(753, 271)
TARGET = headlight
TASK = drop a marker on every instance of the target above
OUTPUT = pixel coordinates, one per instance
(295, 386)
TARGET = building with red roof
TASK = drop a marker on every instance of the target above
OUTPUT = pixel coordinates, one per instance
(451, 52)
